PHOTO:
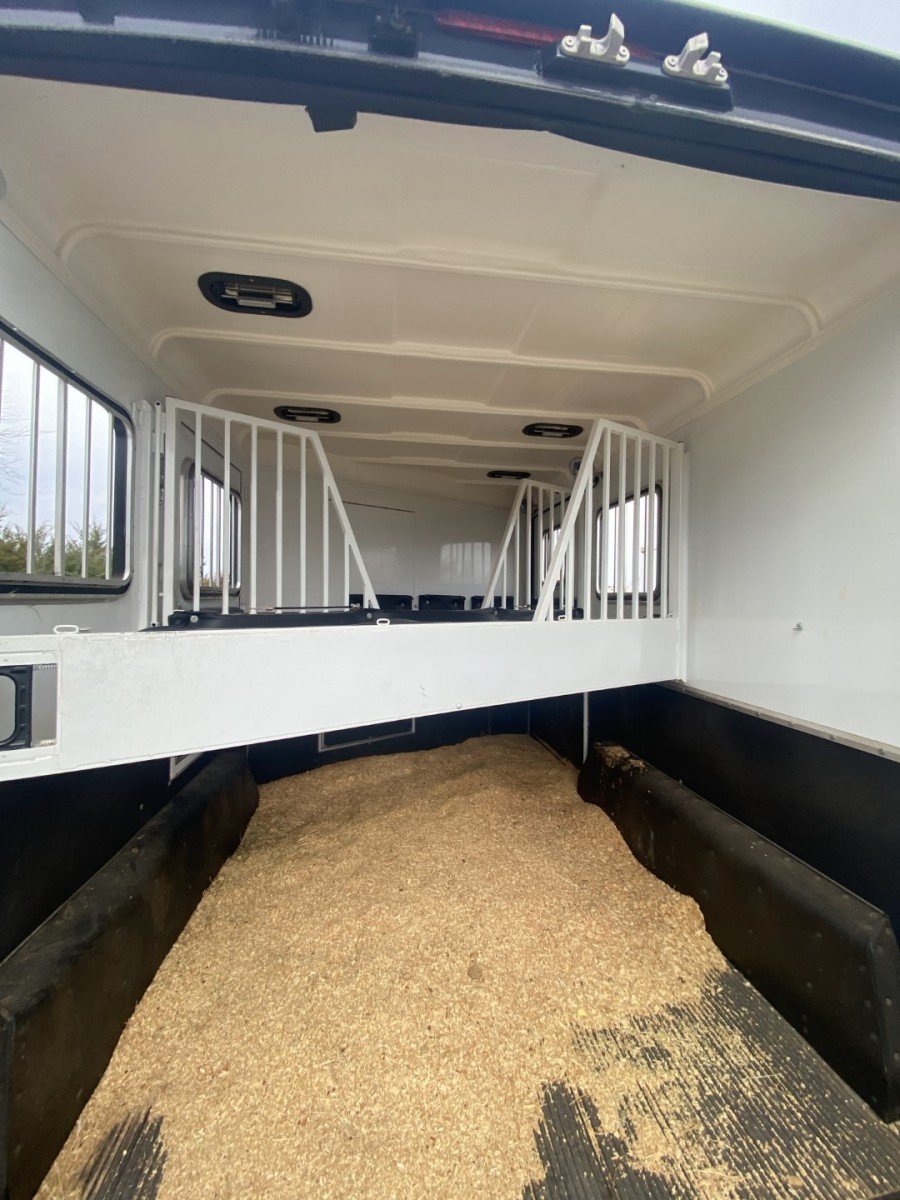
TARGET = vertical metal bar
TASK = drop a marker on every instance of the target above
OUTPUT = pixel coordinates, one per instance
(199, 515)
(503, 576)
(303, 522)
(605, 525)
(529, 544)
(664, 607)
(32, 468)
(539, 546)
(326, 582)
(346, 600)
(570, 577)
(59, 542)
(254, 512)
(110, 492)
(620, 528)
(279, 518)
(86, 483)
(587, 530)
(650, 557)
(226, 519)
(170, 552)
(636, 534)
(153, 583)
(517, 571)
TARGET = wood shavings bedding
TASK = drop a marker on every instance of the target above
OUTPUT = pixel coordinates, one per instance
(371, 995)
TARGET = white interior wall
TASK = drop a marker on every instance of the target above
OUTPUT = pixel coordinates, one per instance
(411, 543)
(794, 520)
(453, 542)
(45, 311)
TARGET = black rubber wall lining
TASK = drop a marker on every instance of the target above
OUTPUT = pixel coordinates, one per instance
(291, 756)
(826, 959)
(835, 807)
(559, 723)
(59, 829)
(68, 990)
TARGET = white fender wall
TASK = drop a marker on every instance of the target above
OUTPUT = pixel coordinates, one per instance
(794, 520)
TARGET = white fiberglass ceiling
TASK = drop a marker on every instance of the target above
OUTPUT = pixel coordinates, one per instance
(465, 281)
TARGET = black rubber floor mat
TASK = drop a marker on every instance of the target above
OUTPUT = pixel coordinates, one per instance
(718, 1098)
(129, 1162)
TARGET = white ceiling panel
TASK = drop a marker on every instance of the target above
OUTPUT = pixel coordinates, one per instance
(464, 280)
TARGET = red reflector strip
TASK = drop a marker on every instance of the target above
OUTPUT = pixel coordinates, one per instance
(522, 33)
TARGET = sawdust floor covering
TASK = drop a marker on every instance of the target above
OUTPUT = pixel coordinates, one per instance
(371, 994)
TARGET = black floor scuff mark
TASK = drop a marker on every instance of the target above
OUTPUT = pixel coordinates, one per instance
(128, 1165)
(720, 1097)
(583, 1162)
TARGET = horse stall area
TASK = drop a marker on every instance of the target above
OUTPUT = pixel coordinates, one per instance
(449, 708)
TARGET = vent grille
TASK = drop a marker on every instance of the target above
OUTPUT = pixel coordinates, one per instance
(509, 474)
(298, 414)
(255, 295)
(552, 429)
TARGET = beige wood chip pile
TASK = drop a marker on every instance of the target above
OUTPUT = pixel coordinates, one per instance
(371, 993)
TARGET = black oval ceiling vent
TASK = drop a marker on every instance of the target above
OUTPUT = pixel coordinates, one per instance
(509, 474)
(552, 429)
(298, 413)
(255, 295)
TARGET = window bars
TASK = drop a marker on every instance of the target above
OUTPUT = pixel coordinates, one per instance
(522, 560)
(607, 550)
(618, 555)
(64, 479)
(285, 542)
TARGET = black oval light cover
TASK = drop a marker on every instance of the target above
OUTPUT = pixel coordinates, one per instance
(552, 429)
(298, 413)
(255, 295)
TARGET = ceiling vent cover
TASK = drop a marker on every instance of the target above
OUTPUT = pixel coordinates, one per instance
(509, 474)
(552, 429)
(298, 413)
(255, 294)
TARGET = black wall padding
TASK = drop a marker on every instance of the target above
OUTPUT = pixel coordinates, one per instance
(827, 960)
(291, 756)
(68, 990)
(836, 807)
(57, 830)
(558, 721)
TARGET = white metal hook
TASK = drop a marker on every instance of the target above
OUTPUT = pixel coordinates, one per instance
(608, 49)
(691, 64)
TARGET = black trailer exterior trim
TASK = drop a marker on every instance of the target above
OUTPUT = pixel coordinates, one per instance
(828, 122)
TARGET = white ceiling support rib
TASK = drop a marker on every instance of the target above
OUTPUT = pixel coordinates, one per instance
(472, 407)
(345, 254)
(429, 354)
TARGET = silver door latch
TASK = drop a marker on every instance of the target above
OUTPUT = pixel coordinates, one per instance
(690, 63)
(609, 49)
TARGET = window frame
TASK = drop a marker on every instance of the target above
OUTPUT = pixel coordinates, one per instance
(186, 582)
(14, 586)
(656, 594)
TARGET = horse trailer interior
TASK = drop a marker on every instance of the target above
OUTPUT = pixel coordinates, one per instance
(449, 643)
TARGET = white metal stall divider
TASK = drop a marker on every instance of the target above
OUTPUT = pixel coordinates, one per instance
(520, 555)
(630, 536)
(167, 465)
